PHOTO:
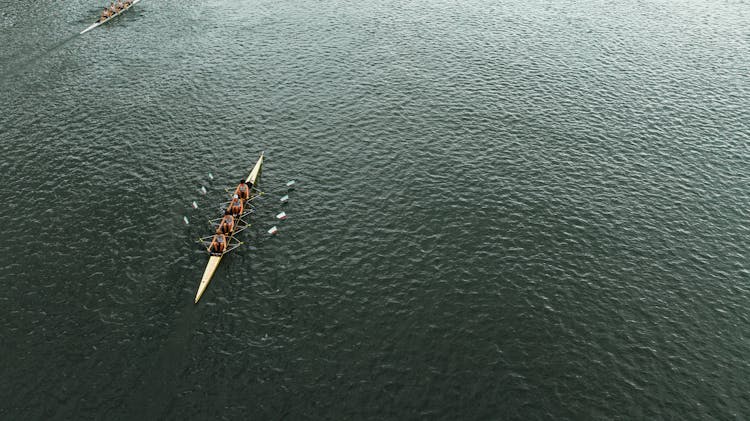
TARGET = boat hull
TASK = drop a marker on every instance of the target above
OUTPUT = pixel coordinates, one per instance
(213, 261)
(97, 24)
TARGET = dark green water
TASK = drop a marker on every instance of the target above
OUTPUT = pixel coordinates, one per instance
(506, 210)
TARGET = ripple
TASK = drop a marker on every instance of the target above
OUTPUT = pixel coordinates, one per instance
(535, 210)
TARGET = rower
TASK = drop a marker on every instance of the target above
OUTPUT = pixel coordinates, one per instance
(120, 6)
(243, 190)
(218, 244)
(226, 226)
(236, 206)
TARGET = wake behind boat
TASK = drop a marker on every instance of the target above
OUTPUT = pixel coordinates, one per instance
(111, 12)
(224, 240)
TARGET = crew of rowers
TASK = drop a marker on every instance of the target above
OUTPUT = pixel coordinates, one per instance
(114, 9)
(231, 216)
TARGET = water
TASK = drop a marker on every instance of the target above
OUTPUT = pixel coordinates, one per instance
(504, 210)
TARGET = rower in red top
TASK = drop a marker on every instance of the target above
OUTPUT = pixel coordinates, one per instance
(218, 244)
(243, 190)
(226, 226)
(236, 207)
(106, 13)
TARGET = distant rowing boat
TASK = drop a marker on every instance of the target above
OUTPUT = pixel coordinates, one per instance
(99, 23)
(213, 261)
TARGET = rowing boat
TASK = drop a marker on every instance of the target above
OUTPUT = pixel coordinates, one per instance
(99, 23)
(213, 261)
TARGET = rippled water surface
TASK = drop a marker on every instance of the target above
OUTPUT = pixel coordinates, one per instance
(505, 210)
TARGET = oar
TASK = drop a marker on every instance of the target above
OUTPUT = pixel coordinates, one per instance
(232, 247)
(247, 202)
